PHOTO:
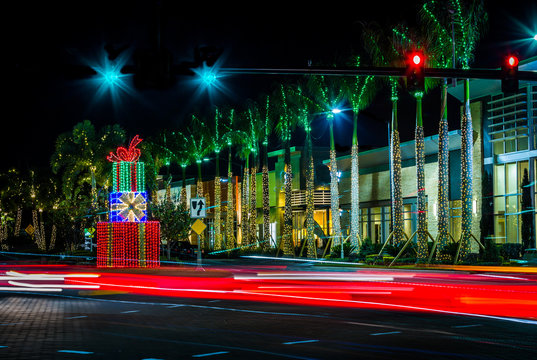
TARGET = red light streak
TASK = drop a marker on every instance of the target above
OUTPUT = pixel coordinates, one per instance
(507, 295)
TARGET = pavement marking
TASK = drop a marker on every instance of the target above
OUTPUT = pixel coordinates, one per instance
(76, 317)
(174, 306)
(129, 311)
(213, 301)
(76, 352)
(299, 342)
(210, 354)
(466, 326)
(386, 333)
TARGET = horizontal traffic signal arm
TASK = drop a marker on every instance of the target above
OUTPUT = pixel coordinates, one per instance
(381, 71)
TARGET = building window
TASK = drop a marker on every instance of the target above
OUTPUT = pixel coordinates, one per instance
(507, 197)
(508, 126)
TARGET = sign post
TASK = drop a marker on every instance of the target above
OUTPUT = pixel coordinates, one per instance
(197, 211)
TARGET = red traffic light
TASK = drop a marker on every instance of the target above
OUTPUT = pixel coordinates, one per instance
(512, 61)
(415, 59)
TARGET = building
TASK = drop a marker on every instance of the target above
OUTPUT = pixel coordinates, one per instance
(505, 147)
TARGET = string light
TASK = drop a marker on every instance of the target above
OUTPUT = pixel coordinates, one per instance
(397, 197)
(443, 181)
(466, 174)
(128, 239)
(420, 174)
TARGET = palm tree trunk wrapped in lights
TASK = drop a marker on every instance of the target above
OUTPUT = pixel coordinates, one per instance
(199, 192)
(397, 196)
(266, 199)
(467, 150)
(287, 237)
(310, 206)
(217, 210)
(230, 210)
(334, 188)
(245, 206)
(253, 200)
(355, 187)
(443, 180)
(420, 174)
(182, 196)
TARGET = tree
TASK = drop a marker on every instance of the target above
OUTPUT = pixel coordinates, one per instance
(361, 91)
(306, 109)
(458, 26)
(80, 158)
(198, 145)
(174, 220)
(381, 49)
(284, 128)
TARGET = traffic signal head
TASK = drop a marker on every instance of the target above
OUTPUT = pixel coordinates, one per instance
(509, 74)
(415, 65)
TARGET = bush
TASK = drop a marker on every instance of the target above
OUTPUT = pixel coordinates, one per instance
(491, 253)
(368, 248)
(512, 251)
(347, 249)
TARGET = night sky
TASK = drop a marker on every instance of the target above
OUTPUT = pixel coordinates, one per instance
(43, 39)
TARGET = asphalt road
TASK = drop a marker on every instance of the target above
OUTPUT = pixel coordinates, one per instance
(105, 325)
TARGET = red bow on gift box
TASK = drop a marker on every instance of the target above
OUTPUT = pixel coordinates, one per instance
(132, 154)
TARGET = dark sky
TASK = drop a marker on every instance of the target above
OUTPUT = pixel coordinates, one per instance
(44, 38)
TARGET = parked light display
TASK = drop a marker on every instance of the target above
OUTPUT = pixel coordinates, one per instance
(128, 239)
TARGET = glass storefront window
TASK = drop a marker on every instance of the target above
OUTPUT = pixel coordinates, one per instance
(507, 196)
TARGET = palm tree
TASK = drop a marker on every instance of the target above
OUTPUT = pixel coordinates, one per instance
(329, 94)
(199, 145)
(306, 107)
(381, 49)
(80, 157)
(458, 26)
(361, 92)
(265, 176)
(231, 138)
(284, 129)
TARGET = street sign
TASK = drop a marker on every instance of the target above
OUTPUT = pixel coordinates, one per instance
(30, 230)
(198, 226)
(197, 208)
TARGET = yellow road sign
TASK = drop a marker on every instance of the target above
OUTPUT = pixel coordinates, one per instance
(198, 226)
(30, 230)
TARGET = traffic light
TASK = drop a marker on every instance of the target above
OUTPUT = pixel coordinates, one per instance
(415, 81)
(509, 74)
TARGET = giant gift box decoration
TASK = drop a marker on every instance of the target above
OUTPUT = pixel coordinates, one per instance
(128, 239)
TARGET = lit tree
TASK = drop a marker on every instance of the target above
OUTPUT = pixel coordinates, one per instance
(284, 129)
(458, 25)
(220, 134)
(305, 110)
(382, 51)
(361, 91)
(329, 94)
(80, 158)
(198, 144)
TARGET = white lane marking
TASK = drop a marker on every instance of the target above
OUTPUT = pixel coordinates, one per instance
(211, 354)
(76, 317)
(386, 333)
(129, 311)
(466, 326)
(76, 352)
(213, 301)
(299, 342)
